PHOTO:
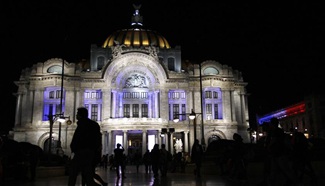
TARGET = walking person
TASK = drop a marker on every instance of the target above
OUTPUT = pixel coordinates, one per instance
(196, 157)
(137, 158)
(280, 149)
(84, 144)
(119, 160)
(147, 161)
(301, 158)
(155, 160)
(237, 170)
(165, 158)
(96, 162)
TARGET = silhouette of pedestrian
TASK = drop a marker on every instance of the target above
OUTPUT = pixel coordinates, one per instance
(165, 157)
(196, 157)
(147, 161)
(34, 156)
(137, 158)
(238, 164)
(301, 158)
(280, 149)
(155, 160)
(96, 162)
(84, 144)
(119, 159)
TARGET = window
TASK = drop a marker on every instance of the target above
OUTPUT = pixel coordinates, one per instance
(144, 110)
(215, 94)
(93, 95)
(216, 111)
(213, 103)
(100, 62)
(135, 95)
(135, 110)
(94, 112)
(51, 95)
(210, 71)
(55, 69)
(208, 94)
(58, 94)
(126, 110)
(93, 102)
(52, 102)
(144, 95)
(177, 104)
(183, 117)
(171, 64)
(175, 110)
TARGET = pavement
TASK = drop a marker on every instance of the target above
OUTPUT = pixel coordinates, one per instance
(210, 177)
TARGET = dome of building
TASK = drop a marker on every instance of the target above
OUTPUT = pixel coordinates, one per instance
(136, 36)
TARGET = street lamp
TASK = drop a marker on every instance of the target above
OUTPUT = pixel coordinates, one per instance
(201, 94)
(191, 116)
(60, 118)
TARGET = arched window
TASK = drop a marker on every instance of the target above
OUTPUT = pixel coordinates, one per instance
(210, 71)
(55, 69)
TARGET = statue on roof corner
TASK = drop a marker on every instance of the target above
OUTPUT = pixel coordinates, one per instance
(137, 7)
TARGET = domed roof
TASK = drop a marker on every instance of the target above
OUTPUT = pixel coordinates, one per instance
(136, 36)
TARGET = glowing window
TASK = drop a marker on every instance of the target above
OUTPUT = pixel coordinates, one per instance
(210, 71)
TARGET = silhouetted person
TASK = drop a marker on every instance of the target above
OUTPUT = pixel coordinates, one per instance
(34, 156)
(137, 159)
(238, 164)
(84, 144)
(165, 157)
(301, 158)
(105, 161)
(96, 162)
(196, 157)
(155, 160)
(111, 162)
(279, 147)
(119, 159)
(147, 161)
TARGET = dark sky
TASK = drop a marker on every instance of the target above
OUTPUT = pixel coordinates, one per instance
(278, 47)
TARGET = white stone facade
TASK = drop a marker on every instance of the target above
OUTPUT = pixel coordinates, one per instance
(132, 92)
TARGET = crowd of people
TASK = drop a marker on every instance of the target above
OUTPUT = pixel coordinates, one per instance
(286, 157)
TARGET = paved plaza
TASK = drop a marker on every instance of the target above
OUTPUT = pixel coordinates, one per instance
(209, 178)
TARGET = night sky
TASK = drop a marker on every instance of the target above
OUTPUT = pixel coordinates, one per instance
(278, 47)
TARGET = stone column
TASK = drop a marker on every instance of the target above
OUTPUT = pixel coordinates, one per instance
(144, 141)
(159, 137)
(18, 109)
(113, 104)
(38, 106)
(125, 141)
(171, 150)
(106, 107)
(226, 105)
(185, 141)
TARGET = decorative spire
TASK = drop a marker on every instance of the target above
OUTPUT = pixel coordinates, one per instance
(136, 18)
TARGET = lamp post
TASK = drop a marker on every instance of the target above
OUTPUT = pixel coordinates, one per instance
(168, 131)
(191, 116)
(202, 125)
(59, 147)
(52, 118)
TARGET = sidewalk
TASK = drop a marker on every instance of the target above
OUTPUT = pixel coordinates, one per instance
(210, 177)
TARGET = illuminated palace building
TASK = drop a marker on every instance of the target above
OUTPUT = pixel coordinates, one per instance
(140, 92)
(307, 116)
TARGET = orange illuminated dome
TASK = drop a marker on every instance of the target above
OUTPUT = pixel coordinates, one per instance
(136, 36)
